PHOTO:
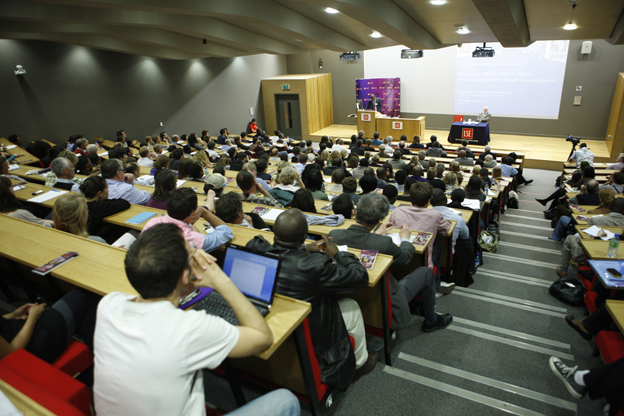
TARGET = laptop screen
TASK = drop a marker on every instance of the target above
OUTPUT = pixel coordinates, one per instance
(253, 274)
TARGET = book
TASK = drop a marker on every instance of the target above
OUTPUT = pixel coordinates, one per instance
(421, 239)
(57, 262)
(327, 207)
(577, 208)
(229, 180)
(138, 219)
(582, 218)
(368, 258)
(125, 241)
(260, 210)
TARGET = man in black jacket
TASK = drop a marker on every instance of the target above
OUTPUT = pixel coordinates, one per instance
(372, 208)
(317, 276)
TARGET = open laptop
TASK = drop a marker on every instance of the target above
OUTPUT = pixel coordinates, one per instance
(254, 273)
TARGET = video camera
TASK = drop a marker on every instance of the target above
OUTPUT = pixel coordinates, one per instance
(574, 140)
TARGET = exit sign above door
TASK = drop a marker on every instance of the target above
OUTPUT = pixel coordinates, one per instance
(285, 87)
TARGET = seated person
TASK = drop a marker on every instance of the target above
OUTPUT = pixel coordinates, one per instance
(485, 116)
(396, 161)
(372, 209)
(229, 208)
(11, 206)
(487, 151)
(159, 369)
(336, 164)
(304, 201)
(615, 182)
(349, 187)
(65, 172)
(463, 159)
(46, 332)
(317, 277)
(247, 183)
(196, 172)
(572, 249)
(474, 188)
(165, 182)
(402, 147)
(368, 183)
(285, 189)
(261, 167)
(391, 193)
(457, 197)
(343, 205)
(619, 163)
(489, 162)
(376, 141)
(338, 176)
(450, 180)
(314, 182)
(382, 151)
(182, 210)
(145, 160)
(118, 188)
(359, 171)
(439, 201)
(509, 171)
(95, 190)
(70, 214)
(238, 161)
(419, 218)
(174, 158)
(133, 175)
(435, 150)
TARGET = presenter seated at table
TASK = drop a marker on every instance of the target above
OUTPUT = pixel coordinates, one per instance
(485, 116)
(374, 103)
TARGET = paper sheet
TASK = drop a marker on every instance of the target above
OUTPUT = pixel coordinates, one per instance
(593, 232)
(102, 154)
(472, 204)
(343, 248)
(125, 241)
(454, 211)
(180, 182)
(13, 167)
(39, 199)
(272, 214)
(396, 238)
(11, 146)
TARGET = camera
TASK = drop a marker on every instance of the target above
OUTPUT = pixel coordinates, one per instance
(574, 140)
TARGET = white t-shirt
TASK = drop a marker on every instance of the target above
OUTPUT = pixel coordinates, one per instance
(145, 162)
(146, 355)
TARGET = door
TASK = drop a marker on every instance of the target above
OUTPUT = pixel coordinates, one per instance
(288, 115)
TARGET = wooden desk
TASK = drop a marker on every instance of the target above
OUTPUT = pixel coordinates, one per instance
(579, 229)
(410, 127)
(616, 309)
(22, 402)
(23, 157)
(366, 122)
(27, 193)
(597, 249)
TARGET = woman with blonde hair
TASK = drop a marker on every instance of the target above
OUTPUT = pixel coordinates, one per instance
(161, 162)
(335, 155)
(70, 214)
(606, 196)
(202, 158)
(278, 168)
(325, 155)
(285, 189)
(450, 180)
(497, 173)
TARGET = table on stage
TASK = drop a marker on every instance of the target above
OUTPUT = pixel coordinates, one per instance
(472, 133)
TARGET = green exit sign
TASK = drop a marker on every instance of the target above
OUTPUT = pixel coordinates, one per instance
(285, 87)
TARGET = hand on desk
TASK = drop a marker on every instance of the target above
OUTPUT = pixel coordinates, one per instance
(325, 245)
(384, 228)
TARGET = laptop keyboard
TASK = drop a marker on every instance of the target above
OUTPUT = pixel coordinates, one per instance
(214, 304)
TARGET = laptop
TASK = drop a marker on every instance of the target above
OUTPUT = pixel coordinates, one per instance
(254, 273)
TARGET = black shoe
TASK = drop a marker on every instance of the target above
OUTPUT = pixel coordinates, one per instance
(442, 322)
(529, 181)
(566, 374)
(585, 335)
(374, 343)
(541, 201)
(368, 366)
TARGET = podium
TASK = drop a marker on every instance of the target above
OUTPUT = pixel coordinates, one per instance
(366, 121)
(396, 127)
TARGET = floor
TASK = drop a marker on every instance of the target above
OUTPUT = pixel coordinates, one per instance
(540, 152)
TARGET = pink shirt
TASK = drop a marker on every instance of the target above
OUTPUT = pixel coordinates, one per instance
(189, 234)
(422, 219)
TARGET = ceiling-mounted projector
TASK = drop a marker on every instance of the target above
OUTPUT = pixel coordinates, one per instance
(483, 52)
(411, 54)
(350, 56)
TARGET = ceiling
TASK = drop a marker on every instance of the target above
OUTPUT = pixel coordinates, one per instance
(188, 29)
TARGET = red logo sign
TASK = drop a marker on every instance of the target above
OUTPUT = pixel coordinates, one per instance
(366, 117)
(467, 133)
(397, 125)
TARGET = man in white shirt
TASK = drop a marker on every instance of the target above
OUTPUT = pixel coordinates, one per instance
(113, 172)
(149, 355)
(144, 160)
(303, 161)
(581, 155)
(339, 146)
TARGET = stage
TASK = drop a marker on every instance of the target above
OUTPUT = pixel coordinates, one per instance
(540, 152)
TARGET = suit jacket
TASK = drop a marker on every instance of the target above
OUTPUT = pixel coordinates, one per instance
(374, 106)
(436, 152)
(612, 220)
(484, 117)
(465, 161)
(484, 154)
(359, 237)
(585, 199)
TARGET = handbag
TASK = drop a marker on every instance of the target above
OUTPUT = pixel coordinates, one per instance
(568, 290)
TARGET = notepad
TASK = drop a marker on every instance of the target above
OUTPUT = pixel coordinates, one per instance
(125, 241)
(11, 146)
(272, 214)
(138, 219)
(13, 167)
(472, 204)
(180, 182)
(53, 193)
(18, 187)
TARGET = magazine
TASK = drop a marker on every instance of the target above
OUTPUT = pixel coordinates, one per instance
(368, 258)
(421, 239)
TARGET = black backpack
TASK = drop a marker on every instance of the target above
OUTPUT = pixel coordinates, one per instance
(568, 290)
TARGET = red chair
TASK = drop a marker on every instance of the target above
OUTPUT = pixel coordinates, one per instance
(75, 359)
(458, 118)
(45, 384)
(611, 345)
(590, 301)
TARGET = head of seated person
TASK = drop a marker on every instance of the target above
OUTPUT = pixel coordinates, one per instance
(349, 185)
(353, 162)
(143, 151)
(181, 203)
(219, 169)
(8, 201)
(113, 169)
(165, 182)
(133, 169)
(215, 182)
(617, 205)
(606, 197)
(369, 171)
(70, 214)
(592, 186)
(457, 196)
(338, 176)
(312, 178)
(420, 194)
(196, 171)
(231, 152)
(438, 198)
(368, 183)
(589, 172)
(343, 205)
(117, 152)
(391, 193)
(417, 171)
(400, 176)
(229, 207)
(372, 209)
(450, 179)
(287, 176)
(304, 201)
(381, 173)
(291, 229)
(439, 169)
(161, 162)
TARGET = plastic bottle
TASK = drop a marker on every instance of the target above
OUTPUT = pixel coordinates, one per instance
(613, 246)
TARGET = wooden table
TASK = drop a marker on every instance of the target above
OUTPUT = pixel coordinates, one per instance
(579, 229)
(616, 309)
(23, 156)
(597, 249)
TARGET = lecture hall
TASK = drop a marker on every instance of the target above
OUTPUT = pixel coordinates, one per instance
(405, 207)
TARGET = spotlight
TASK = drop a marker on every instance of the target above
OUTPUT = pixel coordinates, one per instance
(19, 70)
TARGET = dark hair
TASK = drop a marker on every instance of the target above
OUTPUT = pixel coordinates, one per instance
(221, 132)
(132, 168)
(184, 168)
(304, 201)
(589, 172)
(618, 178)
(210, 187)
(338, 176)
(177, 154)
(261, 164)
(219, 169)
(164, 183)
(117, 152)
(196, 171)
(81, 166)
(40, 149)
(154, 268)
(349, 185)
(400, 176)
(420, 193)
(473, 188)
(92, 185)
(617, 205)
(343, 204)
(181, 203)
(313, 179)
(368, 183)
(8, 201)
(390, 192)
(228, 207)
(245, 181)
(458, 195)
(364, 162)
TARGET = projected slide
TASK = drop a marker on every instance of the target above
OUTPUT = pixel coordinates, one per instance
(516, 82)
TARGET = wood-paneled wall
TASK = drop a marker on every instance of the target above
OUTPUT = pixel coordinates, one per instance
(615, 129)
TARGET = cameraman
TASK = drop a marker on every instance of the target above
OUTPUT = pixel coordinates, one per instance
(583, 154)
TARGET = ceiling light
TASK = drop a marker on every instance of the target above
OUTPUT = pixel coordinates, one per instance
(571, 25)
(375, 34)
(331, 10)
(19, 70)
(437, 2)
(463, 30)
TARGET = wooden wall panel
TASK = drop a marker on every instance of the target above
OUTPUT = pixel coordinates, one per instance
(615, 129)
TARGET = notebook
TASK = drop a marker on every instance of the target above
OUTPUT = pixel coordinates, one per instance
(255, 275)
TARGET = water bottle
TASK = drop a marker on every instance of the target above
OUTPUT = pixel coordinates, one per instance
(613, 246)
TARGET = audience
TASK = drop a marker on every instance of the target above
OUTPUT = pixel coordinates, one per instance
(165, 182)
(10, 205)
(70, 214)
(118, 188)
(95, 190)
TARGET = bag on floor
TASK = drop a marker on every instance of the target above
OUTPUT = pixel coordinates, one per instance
(512, 202)
(568, 290)
(494, 228)
(488, 241)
